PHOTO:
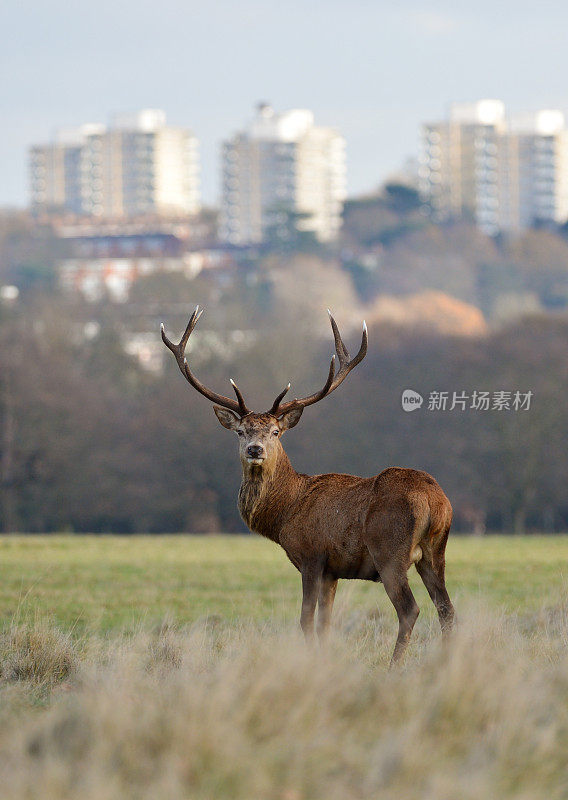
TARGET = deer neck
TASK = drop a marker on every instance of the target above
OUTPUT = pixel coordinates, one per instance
(267, 495)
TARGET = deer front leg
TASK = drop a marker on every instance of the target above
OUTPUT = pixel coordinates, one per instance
(311, 581)
(326, 597)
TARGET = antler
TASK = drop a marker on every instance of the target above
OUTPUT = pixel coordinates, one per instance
(333, 380)
(239, 406)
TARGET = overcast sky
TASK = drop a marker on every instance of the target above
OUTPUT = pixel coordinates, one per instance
(372, 69)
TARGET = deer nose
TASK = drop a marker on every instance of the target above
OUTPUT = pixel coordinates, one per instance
(255, 450)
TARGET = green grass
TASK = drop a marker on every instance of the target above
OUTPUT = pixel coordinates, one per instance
(106, 583)
(243, 708)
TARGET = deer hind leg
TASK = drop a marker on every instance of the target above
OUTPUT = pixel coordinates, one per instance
(311, 582)
(391, 546)
(326, 597)
(395, 581)
(431, 569)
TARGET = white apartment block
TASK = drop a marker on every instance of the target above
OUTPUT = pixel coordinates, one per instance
(538, 153)
(137, 165)
(506, 174)
(282, 162)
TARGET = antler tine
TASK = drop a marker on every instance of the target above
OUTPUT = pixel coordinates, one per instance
(340, 348)
(242, 405)
(179, 352)
(333, 380)
(276, 403)
(346, 364)
(179, 349)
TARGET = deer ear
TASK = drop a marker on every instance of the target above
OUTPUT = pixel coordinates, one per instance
(290, 418)
(228, 419)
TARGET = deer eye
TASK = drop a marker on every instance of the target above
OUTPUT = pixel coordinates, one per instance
(276, 432)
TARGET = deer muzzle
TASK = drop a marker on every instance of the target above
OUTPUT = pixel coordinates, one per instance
(255, 454)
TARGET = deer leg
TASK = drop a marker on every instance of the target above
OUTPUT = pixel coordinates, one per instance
(431, 569)
(326, 597)
(437, 590)
(399, 592)
(311, 581)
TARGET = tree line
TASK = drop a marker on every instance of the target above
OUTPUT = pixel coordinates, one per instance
(91, 442)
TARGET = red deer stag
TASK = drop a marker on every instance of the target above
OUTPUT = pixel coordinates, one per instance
(335, 526)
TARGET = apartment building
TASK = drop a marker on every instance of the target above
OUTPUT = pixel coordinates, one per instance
(538, 145)
(282, 162)
(137, 165)
(506, 174)
(459, 172)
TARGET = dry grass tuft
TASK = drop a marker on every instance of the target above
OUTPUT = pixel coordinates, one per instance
(216, 712)
(38, 653)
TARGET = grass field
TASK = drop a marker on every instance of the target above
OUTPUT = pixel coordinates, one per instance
(105, 583)
(172, 667)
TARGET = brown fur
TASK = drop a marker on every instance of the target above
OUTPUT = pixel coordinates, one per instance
(341, 526)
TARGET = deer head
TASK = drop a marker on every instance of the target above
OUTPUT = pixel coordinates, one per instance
(260, 434)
